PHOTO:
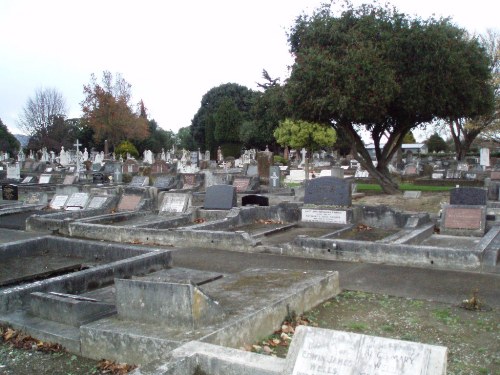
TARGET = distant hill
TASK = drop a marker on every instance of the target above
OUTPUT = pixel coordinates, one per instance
(23, 139)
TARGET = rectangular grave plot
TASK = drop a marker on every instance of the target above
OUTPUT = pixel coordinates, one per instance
(129, 202)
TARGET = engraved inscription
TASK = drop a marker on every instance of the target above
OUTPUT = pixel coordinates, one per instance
(463, 218)
(324, 216)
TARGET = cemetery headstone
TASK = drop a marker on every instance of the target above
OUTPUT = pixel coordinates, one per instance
(38, 197)
(336, 172)
(160, 166)
(495, 175)
(324, 216)
(44, 179)
(252, 170)
(328, 191)
(175, 203)
(317, 351)
(412, 194)
(77, 201)
(255, 200)
(484, 157)
(13, 171)
(264, 161)
(468, 196)
(220, 197)
(96, 203)
(437, 175)
(188, 181)
(463, 220)
(194, 158)
(139, 181)
(27, 180)
(58, 201)
(164, 182)
(69, 180)
(241, 184)
(129, 202)
(274, 177)
(410, 170)
(10, 192)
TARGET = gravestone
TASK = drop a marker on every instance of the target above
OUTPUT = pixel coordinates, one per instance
(164, 182)
(10, 192)
(175, 203)
(468, 196)
(361, 174)
(27, 180)
(129, 202)
(336, 172)
(44, 179)
(264, 162)
(241, 184)
(96, 203)
(38, 197)
(98, 178)
(331, 191)
(160, 166)
(274, 177)
(13, 171)
(324, 216)
(296, 175)
(58, 201)
(254, 199)
(194, 158)
(139, 181)
(463, 220)
(437, 175)
(69, 180)
(495, 175)
(77, 201)
(319, 351)
(188, 181)
(410, 170)
(412, 194)
(252, 170)
(220, 197)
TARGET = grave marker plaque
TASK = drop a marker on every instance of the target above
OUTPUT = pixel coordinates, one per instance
(129, 202)
(27, 180)
(58, 202)
(10, 192)
(77, 201)
(495, 175)
(274, 177)
(164, 182)
(463, 220)
(139, 181)
(324, 216)
(220, 197)
(412, 194)
(69, 180)
(44, 179)
(175, 202)
(241, 184)
(188, 181)
(96, 202)
(318, 351)
(468, 196)
(38, 197)
(331, 191)
(13, 171)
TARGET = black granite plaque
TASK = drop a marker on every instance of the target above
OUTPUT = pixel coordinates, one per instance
(468, 196)
(220, 197)
(10, 192)
(254, 199)
(331, 191)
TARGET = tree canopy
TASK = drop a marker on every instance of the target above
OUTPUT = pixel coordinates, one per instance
(377, 69)
(436, 143)
(221, 106)
(8, 142)
(298, 134)
(108, 111)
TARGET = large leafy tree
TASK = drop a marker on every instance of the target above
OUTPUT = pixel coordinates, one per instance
(42, 118)
(436, 143)
(108, 111)
(373, 68)
(8, 143)
(204, 123)
(158, 139)
(298, 134)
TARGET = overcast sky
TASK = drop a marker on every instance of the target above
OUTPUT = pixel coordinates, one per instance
(171, 52)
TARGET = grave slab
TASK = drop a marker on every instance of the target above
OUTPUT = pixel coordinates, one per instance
(96, 203)
(58, 201)
(77, 201)
(412, 194)
(317, 351)
(139, 181)
(129, 202)
(463, 220)
(44, 179)
(175, 203)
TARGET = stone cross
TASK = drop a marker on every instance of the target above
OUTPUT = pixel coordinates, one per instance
(274, 177)
(78, 166)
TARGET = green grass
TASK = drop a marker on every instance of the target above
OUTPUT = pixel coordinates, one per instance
(376, 187)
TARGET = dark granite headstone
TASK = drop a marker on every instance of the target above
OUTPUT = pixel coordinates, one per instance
(10, 192)
(254, 199)
(220, 197)
(98, 178)
(331, 191)
(469, 196)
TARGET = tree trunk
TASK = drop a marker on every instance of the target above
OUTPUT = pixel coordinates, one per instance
(384, 179)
